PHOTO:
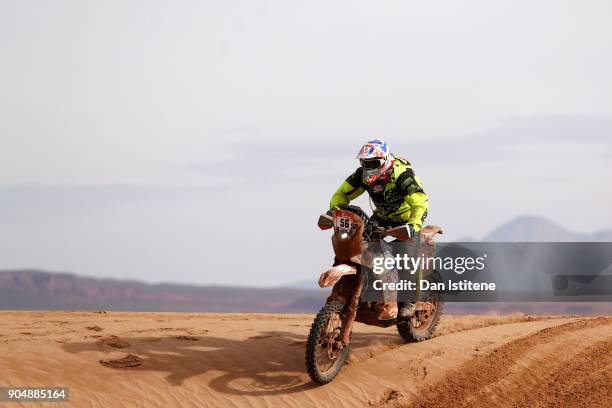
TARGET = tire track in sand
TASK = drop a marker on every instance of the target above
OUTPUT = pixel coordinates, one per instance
(529, 371)
(584, 382)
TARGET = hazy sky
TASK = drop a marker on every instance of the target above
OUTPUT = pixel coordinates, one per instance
(198, 141)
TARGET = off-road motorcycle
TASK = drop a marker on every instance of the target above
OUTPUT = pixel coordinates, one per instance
(357, 240)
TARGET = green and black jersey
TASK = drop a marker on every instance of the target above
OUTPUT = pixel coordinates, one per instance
(402, 200)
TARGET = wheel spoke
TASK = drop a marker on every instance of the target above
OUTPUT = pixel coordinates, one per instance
(327, 352)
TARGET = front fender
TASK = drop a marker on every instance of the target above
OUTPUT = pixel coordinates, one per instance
(333, 274)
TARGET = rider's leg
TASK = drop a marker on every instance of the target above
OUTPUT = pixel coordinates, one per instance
(407, 298)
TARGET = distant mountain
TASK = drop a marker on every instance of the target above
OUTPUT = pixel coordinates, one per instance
(34, 289)
(40, 290)
(29, 289)
(537, 229)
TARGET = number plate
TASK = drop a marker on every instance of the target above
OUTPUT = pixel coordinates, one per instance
(345, 221)
(343, 224)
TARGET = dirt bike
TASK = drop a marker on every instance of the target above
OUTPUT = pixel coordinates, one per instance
(357, 240)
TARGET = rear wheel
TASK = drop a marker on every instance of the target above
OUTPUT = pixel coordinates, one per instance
(324, 354)
(424, 322)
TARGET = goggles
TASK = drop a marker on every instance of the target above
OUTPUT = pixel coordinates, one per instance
(372, 164)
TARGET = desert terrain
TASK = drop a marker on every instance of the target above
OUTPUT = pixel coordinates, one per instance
(128, 359)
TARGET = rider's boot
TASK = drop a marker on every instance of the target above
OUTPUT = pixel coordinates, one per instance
(407, 310)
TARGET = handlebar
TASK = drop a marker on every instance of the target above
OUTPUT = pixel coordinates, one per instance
(401, 232)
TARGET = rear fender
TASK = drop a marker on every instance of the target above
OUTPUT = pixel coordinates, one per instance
(333, 274)
(428, 233)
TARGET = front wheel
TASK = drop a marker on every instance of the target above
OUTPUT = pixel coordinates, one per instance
(324, 354)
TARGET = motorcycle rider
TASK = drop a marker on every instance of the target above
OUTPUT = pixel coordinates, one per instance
(395, 190)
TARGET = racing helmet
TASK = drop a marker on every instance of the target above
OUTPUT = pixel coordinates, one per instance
(376, 160)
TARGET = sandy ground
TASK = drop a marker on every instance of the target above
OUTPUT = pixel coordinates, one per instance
(122, 359)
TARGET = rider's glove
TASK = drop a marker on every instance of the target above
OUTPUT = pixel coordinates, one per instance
(411, 231)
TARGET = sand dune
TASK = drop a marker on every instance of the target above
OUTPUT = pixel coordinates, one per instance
(123, 359)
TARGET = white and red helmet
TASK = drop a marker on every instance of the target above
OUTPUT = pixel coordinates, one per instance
(376, 160)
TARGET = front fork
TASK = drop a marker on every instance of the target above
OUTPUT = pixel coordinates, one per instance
(351, 310)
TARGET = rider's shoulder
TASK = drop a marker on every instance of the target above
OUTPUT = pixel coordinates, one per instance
(402, 169)
(356, 178)
(401, 161)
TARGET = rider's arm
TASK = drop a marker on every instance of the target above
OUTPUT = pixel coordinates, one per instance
(349, 190)
(412, 189)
